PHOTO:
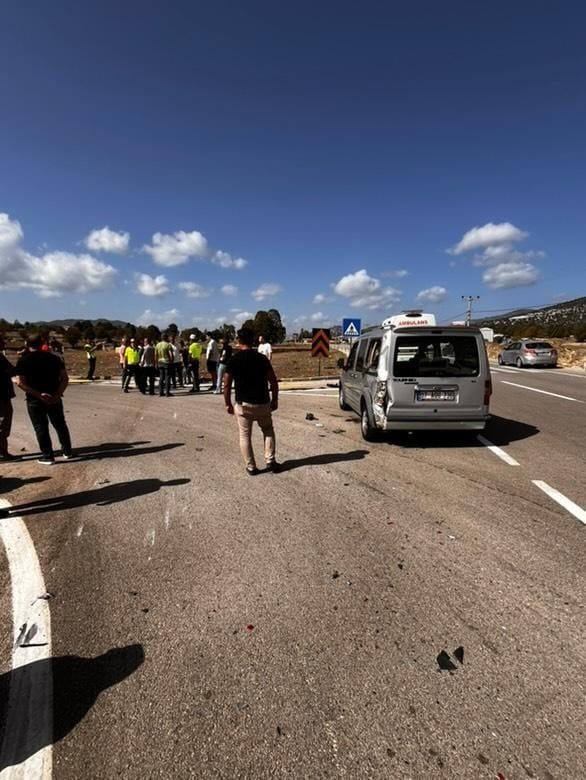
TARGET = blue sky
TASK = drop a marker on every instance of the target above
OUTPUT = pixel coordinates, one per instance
(257, 155)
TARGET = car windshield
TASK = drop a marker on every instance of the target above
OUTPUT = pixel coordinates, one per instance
(537, 345)
(440, 355)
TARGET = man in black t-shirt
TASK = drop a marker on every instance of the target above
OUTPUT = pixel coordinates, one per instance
(6, 396)
(43, 378)
(252, 374)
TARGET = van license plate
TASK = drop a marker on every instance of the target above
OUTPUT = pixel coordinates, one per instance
(436, 395)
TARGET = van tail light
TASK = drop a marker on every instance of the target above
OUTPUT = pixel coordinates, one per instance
(487, 391)
(381, 393)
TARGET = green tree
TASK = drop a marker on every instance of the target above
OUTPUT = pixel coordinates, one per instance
(73, 335)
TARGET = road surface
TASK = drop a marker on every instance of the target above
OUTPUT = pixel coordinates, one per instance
(412, 608)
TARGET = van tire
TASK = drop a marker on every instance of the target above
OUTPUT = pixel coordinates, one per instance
(368, 432)
(500, 360)
(341, 400)
(519, 363)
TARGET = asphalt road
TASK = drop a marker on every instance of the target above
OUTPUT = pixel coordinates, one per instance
(208, 624)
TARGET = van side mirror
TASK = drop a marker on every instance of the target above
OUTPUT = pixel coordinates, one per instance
(341, 363)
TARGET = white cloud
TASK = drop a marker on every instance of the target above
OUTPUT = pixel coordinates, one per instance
(365, 291)
(193, 290)
(511, 274)
(432, 295)
(321, 298)
(505, 265)
(229, 289)
(238, 317)
(51, 274)
(225, 260)
(317, 317)
(487, 236)
(160, 319)
(106, 240)
(172, 250)
(399, 273)
(265, 291)
(153, 286)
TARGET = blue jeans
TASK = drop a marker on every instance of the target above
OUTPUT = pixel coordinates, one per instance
(164, 380)
(221, 371)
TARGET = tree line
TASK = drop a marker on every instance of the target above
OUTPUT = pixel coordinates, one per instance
(265, 323)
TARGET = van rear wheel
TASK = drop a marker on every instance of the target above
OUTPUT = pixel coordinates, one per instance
(341, 400)
(368, 432)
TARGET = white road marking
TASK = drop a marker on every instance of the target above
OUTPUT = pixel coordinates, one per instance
(498, 452)
(29, 716)
(570, 506)
(545, 392)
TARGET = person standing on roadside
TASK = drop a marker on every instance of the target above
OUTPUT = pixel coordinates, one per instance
(252, 375)
(120, 351)
(164, 358)
(148, 367)
(90, 352)
(195, 351)
(212, 355)
(132, 365)
(7, 393)
(264, 348)
(177, 373)
(43, 378)
(225, 355)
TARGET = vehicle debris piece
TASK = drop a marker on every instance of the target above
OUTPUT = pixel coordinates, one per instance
(336, 574)
(459, 654)
(310, 416)
(445, 663)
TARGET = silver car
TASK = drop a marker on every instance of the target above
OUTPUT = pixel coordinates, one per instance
(529, 352)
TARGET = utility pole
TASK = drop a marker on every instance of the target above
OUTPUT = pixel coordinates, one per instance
(469, 299)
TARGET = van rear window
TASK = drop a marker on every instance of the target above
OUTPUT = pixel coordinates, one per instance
(436, 356)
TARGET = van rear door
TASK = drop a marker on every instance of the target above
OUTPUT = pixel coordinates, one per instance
(438, 377)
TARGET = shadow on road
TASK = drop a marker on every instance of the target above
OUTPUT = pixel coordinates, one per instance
(13, 483)
(499, 431)
(324, 459)
(77, 683)
(102, 496)
(120, 450)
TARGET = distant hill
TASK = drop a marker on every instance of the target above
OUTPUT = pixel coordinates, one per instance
(559, 319)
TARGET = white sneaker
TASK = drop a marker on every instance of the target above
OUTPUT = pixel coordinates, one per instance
(46, 461)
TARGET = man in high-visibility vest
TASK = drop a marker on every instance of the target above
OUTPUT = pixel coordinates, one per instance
(131, 365)
(90, 351)
(195, 350)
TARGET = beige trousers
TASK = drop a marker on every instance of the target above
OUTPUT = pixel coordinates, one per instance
(246, 415)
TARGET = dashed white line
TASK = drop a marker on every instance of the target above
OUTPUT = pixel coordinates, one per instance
(498, 451)
(570, 506)
(544, 392)
(26, 749)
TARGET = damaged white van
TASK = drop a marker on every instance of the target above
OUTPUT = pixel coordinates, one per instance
(417, 377)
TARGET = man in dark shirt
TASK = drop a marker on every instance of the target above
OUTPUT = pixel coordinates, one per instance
(6, 396)
(43, 378)
(252, 374)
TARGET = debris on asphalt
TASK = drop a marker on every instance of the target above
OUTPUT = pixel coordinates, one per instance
(319, 425)
(21, 635)
(250, 627)
(483, 759)
(200, 436)
(102, 482)
(459, 654)
(452, 538)
(336, 574)
(310, 416)
(400, 565)
(445, 663)
(145, 610)
(23, 449)
(338, 430)
(199, 449)
(279, 732)
(45, 597)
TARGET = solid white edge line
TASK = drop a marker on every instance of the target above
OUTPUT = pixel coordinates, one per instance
(544, 392)
(497, 451)
(29, 713)
(570, 506)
